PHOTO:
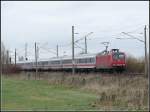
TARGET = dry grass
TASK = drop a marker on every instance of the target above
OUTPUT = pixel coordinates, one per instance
(114, 92)
(121, 92)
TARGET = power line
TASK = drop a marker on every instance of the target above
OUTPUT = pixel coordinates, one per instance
(49, 50)
(64, 45)
(79, 47)
(132, 36)
(136, 29)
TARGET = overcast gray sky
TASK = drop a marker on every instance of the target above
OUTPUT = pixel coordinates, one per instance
(51, 21)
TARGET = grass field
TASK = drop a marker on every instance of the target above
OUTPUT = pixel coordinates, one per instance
(38, 95)
(56, 91)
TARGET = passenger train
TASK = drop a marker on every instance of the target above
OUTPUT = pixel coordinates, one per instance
(106, 60)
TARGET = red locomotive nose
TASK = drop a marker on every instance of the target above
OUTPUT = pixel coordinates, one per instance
(118, 59)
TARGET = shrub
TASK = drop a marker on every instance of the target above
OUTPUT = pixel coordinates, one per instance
(135, 64)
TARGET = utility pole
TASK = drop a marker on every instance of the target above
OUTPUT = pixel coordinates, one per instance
(85, 45)
(57, 51)
(7, 62)
(4, 61)
(25, 51)
(146, 68)
(15, 57)
(73, 68)
(35, 60)
(10, 60)
(85, 39)
(37, 51)
(7, 58)
(1, 62)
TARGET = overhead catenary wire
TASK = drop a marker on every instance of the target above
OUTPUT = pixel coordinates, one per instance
(68, 45)
(49, 50)
(79, 47)
(133, 31)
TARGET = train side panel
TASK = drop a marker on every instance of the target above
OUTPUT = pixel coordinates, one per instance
(103, 61)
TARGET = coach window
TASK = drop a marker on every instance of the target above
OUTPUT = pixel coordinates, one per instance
(52, 62)
(63, 61)
(81, 60)
(49, 62)
(67, 61)
(88, 60)
(77, 61)
(45, 62)
(92, 60)
(84, 60)
(70, 61)
(55, 62)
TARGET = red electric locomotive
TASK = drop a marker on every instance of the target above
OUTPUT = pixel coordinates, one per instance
(113, 59)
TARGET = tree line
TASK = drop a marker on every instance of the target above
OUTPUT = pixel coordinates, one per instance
(6, 62)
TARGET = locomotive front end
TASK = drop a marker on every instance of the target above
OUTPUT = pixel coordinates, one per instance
(118, 60)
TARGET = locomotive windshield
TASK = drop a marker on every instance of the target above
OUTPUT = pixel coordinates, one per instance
(118, 56)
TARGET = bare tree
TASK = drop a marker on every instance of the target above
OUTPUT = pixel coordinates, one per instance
(3, 57)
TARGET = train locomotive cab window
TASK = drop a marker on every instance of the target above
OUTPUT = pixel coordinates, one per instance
(117, 56)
